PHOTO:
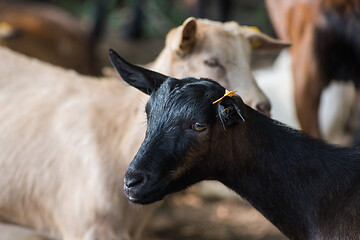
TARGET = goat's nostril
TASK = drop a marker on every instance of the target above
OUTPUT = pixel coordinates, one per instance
(134, 180)
(264, 108)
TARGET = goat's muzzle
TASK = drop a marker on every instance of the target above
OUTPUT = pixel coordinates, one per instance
(143, 187)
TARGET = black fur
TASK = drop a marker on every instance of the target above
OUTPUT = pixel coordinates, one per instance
(143, 79)
(170, 134)
(305, 187)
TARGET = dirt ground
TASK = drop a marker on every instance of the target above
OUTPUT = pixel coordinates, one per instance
(187, 216)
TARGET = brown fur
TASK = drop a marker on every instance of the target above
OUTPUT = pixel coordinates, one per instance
(310, 26)
(50, 34)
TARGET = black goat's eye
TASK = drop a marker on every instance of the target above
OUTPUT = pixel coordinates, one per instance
(213, 62)
(199, 127)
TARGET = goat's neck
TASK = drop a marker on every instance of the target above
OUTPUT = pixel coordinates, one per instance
(298, 183)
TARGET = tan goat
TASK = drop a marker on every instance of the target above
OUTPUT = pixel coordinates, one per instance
(325, 49)
(67, 139)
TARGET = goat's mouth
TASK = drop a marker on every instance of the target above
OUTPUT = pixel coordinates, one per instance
(146, 193)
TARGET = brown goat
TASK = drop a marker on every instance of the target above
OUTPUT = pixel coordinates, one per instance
(49, 33)
(326, 46)
(66, 139)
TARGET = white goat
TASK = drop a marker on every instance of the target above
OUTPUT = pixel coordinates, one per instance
(66, 139)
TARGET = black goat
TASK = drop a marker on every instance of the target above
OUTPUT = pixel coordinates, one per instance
(305, 187)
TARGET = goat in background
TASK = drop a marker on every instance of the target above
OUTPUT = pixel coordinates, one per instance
(325, 36)
(67, 139)
(51, 34)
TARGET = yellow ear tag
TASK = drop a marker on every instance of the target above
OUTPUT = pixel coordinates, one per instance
(255, 43)
(256, 29)
(227, 94)
(5, 30)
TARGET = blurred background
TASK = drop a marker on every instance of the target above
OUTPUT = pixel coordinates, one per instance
(77, 34)
(135, 28)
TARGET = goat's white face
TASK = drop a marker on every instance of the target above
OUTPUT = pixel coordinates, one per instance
(219, 51)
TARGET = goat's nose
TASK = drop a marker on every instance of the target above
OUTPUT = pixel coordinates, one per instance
(264, 108)
(133, 178)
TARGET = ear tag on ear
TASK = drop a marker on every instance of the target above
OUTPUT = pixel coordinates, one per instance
(5, 31)
(256, 29)
(5, 28)
(227, 94)
(257, 43)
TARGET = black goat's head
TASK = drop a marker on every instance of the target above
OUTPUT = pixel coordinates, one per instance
(184, 127)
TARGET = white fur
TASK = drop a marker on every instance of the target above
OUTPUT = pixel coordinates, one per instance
(67, 139)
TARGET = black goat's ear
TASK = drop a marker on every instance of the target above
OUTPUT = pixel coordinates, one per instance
(229, 111)
(143, 79)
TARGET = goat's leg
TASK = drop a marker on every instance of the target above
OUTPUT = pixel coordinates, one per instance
(308, 85)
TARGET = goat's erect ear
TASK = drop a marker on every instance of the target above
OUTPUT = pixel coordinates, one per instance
(183, 38)
(262, 42)
(143, 79)
(229, 111)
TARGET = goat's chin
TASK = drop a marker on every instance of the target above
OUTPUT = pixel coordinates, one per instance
(146, 200)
